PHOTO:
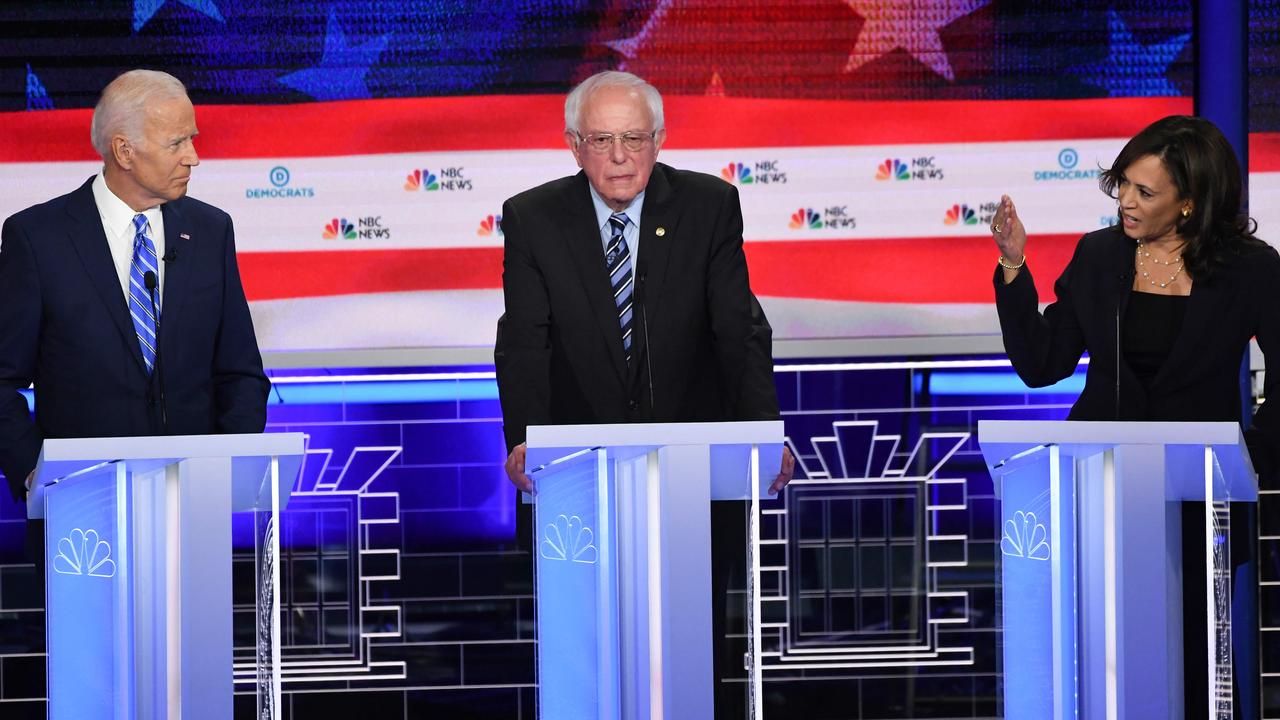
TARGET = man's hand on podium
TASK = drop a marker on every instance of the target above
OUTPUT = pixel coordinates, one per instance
(30, 476)
(515, 470)
(785, 472)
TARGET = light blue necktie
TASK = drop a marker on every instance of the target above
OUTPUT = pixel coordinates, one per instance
(618, 260)
(144, 261)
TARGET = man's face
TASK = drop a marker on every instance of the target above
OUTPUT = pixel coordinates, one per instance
(617, 173)
(160, 162)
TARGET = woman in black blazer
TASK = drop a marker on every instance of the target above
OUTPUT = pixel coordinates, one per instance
(1165, 303)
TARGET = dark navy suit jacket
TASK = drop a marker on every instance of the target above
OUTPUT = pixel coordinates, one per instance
(65, 326)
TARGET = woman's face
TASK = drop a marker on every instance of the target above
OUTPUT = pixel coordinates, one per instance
(1150, 207)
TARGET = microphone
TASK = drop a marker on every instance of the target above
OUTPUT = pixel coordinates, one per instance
(149, 279)
(648, 341)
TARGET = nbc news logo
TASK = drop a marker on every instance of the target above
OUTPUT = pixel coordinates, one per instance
(448, 179)
(339, 228)
(765, 172)
(835, 217)
(490, 225)
(365, 228)
(919, 168)
(805, 218)
(961, 214)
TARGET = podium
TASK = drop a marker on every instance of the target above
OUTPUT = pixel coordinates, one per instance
(623, 562)
(138, 570)
(1092, 570)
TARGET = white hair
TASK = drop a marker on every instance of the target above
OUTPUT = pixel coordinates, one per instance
(120, 110)
(610, 78)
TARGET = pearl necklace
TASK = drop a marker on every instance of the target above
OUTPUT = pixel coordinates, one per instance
(1144, 254)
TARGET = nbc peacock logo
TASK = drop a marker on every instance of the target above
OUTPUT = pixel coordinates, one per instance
(490, 225)
(893, 169)
(339, 228)
(960, 215)
(737, 173)
(805, 218)
(422, 179)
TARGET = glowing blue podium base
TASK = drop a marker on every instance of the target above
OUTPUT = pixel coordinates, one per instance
(623, 547)
(1092, 574)
(138, 570)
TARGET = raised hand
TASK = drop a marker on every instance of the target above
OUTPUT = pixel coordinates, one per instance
(1010, 237)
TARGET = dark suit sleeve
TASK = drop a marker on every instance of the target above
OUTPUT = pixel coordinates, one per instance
(1263, 436)
(240, 386)
(20, 312)
(741, 333)
(1044, 348)
(522, 351)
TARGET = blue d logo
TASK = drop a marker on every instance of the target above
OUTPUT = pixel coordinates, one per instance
(279, 176)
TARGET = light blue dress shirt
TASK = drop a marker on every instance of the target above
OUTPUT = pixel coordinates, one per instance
(632, 231)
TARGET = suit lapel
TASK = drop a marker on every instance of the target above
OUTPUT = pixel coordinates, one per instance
(658, 221)
(657, 236)
(584, 243)
(178, 238)
(90, 243)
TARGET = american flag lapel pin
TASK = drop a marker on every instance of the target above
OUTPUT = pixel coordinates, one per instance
(184, 236)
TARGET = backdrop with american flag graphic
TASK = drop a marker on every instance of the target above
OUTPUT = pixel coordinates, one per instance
(364, 148)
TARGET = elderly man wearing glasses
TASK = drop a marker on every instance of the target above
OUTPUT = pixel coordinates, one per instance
(626, 293)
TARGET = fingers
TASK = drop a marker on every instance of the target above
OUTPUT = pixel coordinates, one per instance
(1001, 220)
(784, 473)
(1008, 231)
(515, 470)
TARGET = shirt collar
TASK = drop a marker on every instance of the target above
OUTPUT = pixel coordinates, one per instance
(604, 212)
(116, 213)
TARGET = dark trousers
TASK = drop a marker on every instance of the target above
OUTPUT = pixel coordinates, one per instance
(1244, 612)
(729, 607)
(35, 550)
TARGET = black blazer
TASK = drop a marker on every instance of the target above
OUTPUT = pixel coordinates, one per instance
(559, 350)
(1200, 379)
(64, 325)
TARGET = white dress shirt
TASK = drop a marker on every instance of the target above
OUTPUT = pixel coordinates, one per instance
(117, 223)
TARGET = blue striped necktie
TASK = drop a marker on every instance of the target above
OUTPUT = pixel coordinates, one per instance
(618, 260)
(144, 261)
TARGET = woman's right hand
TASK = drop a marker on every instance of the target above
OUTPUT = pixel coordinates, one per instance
(1010, 237)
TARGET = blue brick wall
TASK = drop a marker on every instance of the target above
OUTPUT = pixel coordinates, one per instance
(464, 591)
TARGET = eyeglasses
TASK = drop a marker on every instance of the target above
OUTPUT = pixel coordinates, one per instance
(603, 142)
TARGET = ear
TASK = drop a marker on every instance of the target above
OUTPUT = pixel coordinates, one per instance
(122, 151)
(658, 139)
(571, 139)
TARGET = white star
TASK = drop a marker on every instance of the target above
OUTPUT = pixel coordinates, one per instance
(912, 25)
(628, 47)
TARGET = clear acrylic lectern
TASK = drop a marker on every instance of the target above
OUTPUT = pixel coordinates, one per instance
(1092, 563)
(622, 523)
(138, 570)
